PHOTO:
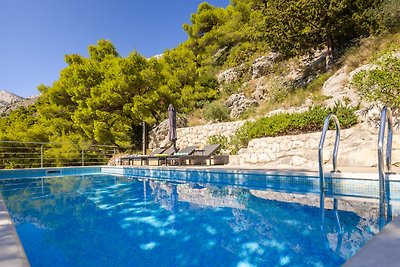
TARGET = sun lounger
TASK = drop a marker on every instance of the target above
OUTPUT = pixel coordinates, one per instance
(126, 160)
(200, 156)
(140, 159)
(177, 157)
(160, 158)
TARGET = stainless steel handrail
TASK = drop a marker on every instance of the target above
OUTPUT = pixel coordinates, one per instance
(386, 117)
(321, 158)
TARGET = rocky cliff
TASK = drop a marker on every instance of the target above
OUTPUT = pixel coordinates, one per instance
(7, 98)
(10, 102)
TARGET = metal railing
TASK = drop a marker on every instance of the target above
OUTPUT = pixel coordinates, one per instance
(16, 154)
(321, 158)
(386, 117)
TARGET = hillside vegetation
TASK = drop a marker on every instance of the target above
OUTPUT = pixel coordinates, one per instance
(104, 98)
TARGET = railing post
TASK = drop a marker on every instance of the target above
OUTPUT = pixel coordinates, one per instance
(41, 156)
(83, 157)
(144, 138)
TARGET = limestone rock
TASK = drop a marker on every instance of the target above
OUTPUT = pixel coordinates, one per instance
(238, 103)
(7, 98)
(15, 104)
(159, 134)
(309, 68)
(260, 92)
(338, 89)
(262, 65)
(229, 75)
(316, 62)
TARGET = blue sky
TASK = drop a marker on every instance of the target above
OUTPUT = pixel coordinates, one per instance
(36, 34)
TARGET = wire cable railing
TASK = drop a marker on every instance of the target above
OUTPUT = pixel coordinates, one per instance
(16, 154)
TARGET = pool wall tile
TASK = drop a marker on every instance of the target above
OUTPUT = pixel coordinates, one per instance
(355, 187)
(291, 183)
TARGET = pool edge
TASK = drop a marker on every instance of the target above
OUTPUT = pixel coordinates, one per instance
(382, 250)
(12, 252)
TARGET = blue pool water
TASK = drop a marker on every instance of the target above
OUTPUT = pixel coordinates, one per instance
(105, 220)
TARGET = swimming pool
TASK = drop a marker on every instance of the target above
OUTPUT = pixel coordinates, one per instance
(243, 219)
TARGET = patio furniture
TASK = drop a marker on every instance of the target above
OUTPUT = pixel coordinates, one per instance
(200, 156)
(176, 158)
(156, 159)
(139, 159)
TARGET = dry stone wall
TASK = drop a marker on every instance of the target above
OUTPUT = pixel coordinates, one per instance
(198, 135)
(358, 148)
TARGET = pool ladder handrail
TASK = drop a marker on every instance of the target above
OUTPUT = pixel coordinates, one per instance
(386, 117)
(321, 158)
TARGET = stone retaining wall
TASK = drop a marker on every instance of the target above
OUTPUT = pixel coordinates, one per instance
(198, 135)
(358, 148)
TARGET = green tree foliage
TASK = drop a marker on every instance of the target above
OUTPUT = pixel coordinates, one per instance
(299, 26)
(386, 16)
(227, 37)
(104, 98)
(206, 18)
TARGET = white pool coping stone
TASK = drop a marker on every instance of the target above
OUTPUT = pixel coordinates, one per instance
(12, 253)
(382, 250)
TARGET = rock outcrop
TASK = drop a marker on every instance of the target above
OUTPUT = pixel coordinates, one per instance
(238, 103)
(159, 134)
(263, 65)
(7, 98)
(7, 109)
(229, 75)
(338, 88)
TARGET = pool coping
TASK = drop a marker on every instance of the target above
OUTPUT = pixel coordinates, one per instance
(380, 250)
(12, 251)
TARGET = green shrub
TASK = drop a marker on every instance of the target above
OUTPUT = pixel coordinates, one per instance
(216, 112)
(297, 123)
(381, 84)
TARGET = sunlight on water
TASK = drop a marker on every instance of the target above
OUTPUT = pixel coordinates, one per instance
(148, 246)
